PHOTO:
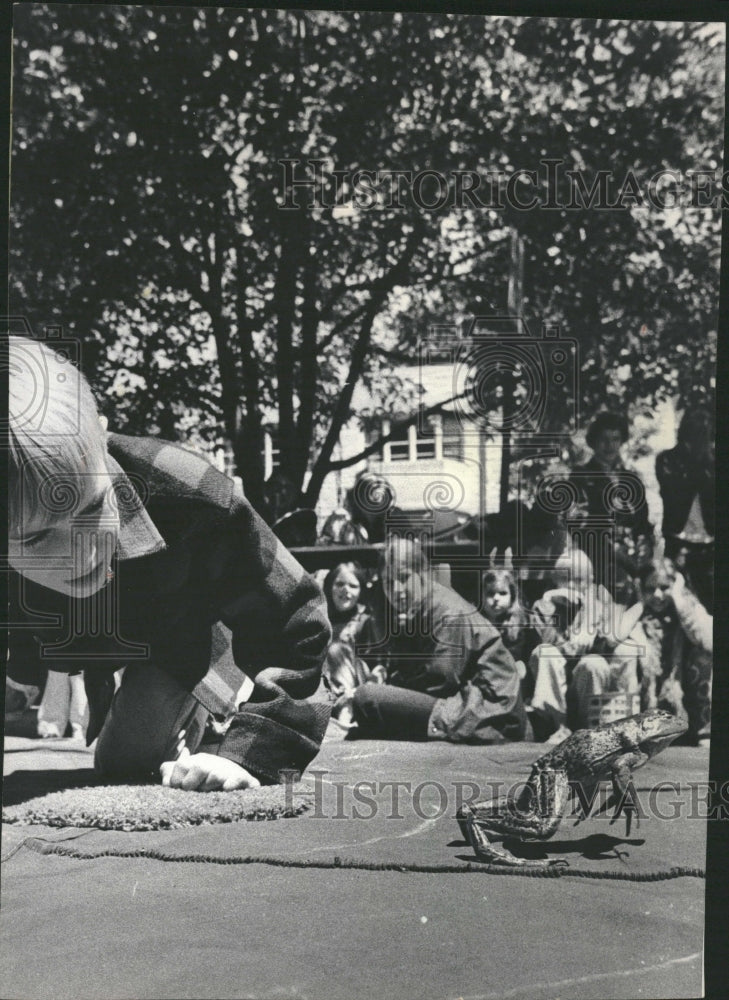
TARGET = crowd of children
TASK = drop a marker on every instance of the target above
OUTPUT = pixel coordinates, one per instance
(633, 629)
(223, 638)
(572, 646)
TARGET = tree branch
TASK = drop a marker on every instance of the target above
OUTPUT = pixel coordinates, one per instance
(342, 288)
(341, 325)
(396, 275)
(285, 306)
(308, 366)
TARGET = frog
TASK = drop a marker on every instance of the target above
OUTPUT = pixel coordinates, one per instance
(570, 772)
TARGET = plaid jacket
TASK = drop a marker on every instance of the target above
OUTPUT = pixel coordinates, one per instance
(203, 589)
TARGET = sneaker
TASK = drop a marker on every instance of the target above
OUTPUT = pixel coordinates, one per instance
(48, 730)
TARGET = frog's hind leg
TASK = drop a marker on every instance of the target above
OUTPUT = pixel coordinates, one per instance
(468, 814)
(474, 830)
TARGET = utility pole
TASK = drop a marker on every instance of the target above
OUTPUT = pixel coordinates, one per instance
(514, 305)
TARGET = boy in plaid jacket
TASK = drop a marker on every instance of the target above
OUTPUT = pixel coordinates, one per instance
(135, 553)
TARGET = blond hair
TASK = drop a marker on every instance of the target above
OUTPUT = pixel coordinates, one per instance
(400, 550)
(54, 434)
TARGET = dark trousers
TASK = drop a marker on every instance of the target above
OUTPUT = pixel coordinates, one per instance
(385, 712)
(141, 730)
(696, 562)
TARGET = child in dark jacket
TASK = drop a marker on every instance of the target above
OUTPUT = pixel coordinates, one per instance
(135, 553)
(448, 673)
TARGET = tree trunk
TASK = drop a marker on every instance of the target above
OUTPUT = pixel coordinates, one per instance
(514, 308)
(308, 370)
(396, 275)
(248, 444)
(285, 309)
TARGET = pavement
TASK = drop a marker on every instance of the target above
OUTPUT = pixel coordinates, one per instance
(371, 893)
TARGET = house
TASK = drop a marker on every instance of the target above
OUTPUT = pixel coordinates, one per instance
(445, 460)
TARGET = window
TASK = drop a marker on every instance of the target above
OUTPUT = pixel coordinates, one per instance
(399, 451)
(400, 445)
(425, 441)
(408, 442)
(452, 437)
(425, 447)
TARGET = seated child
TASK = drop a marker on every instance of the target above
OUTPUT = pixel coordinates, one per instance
(344, 587)
(449, 675)
(678, 661)
(340, 529)
(133, 552)
(501, 606)
(583, 650)
(345, 590)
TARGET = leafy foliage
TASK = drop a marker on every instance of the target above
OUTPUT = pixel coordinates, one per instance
(147, 220)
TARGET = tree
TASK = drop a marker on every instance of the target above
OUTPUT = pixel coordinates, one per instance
(148, 217)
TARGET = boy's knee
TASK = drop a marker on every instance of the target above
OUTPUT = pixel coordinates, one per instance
(548, 651)
(141, 730)
(364, 700)
(547, 660)
(626, 651)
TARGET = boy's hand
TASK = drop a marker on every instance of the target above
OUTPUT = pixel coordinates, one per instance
(205, 772)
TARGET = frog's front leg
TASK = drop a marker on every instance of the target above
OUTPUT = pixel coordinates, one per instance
(624, 796)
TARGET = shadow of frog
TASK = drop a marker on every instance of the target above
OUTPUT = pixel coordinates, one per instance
(595, 847)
